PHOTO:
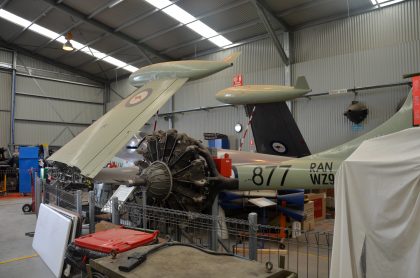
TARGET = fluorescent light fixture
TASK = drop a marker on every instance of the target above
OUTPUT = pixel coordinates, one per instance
(220, 41)
(44, 31)
(113, 4)
(67, 44)
(202, 29)
(190, 21)
(160, 4)
(130, 68)
(179, 14)
(14, 18)
(115, 62)
(384, 4)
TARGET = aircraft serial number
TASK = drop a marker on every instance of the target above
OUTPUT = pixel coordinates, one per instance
(258, 178)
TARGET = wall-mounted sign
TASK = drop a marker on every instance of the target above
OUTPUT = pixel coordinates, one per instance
(237, 80)
(416, 100)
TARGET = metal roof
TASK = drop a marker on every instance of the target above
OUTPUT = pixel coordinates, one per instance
(137, 33)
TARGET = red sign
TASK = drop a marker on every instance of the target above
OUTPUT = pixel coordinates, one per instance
(416, 100)
(237, 80)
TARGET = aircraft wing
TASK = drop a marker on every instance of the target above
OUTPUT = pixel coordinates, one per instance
(90, 150)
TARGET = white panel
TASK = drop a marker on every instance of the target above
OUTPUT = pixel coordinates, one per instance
(58, 89)
(51, 238)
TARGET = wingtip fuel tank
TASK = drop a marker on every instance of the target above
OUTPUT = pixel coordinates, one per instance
(254, 94)
(191, 69)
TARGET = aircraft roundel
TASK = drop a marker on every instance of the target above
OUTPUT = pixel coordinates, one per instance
(138, 97)
(278, 147)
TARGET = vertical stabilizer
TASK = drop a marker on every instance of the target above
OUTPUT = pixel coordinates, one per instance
(301, 83)
(232, 57)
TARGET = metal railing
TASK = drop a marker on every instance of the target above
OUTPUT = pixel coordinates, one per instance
(306, 253)
(71, 200)
(9, 180)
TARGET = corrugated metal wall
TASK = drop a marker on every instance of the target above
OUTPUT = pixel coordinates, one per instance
(52, 105)
(5, 89)
(365, 50)
(51, 110)
(374, 48)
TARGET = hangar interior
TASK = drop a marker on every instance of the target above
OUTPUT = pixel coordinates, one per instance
(348, 50)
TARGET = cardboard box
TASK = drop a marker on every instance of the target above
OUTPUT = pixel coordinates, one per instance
(309, 223)
(320, 204)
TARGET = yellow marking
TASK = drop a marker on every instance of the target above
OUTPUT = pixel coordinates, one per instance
(19, 259)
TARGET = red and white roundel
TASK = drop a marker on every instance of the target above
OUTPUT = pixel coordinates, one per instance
(138, 97)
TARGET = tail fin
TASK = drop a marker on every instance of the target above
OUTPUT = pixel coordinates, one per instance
(275, 131)
(232, 57)
(301, 83)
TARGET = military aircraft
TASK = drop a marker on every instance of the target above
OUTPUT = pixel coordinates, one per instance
(254, 94)
(178, 171)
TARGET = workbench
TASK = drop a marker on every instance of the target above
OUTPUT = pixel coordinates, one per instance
(184, 261)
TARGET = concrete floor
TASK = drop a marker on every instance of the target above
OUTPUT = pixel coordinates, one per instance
(14, 244)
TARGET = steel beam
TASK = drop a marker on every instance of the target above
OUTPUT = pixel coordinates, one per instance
(73, 12)
(51, 122)
(58, 80)
(13, 102)
(59, 99)
(303, 6)
(52, 62)
(263, 15)
(4, 4)
(20, 33)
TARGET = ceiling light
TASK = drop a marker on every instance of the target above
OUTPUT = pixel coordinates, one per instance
(113, 4)
(220, 41)
(374, 2)
(384, 4)
(202, 29)
(190, 21)
(14, 18)
(179, 14)
(160, 4)
(68, 43)
(67, 46)
(130, 68)
(115, 62)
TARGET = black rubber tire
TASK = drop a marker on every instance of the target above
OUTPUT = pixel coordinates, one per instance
(26, 208)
